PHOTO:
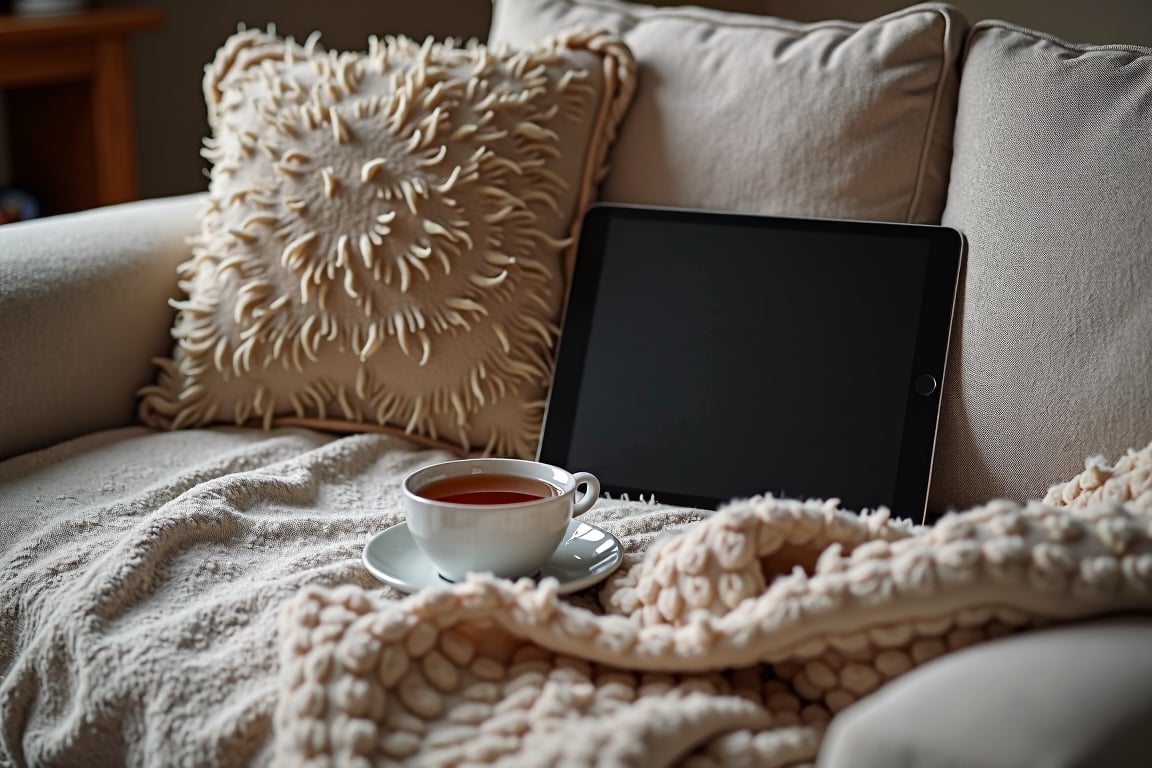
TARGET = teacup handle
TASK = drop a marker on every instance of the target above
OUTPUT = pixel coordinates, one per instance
(585, 502)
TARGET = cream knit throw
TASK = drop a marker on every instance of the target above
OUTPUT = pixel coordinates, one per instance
(732, 643)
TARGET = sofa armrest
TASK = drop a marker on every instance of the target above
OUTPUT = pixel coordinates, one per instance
(83, 309)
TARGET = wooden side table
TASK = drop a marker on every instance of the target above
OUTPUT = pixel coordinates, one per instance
(69, 103)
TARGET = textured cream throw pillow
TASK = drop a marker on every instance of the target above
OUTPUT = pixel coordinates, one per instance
(385, 239)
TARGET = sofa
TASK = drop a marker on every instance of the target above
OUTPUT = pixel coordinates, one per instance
(183, 528)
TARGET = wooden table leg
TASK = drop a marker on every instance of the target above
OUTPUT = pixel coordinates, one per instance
(112, 122)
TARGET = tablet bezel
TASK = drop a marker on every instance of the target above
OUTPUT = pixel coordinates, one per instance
(944, 255)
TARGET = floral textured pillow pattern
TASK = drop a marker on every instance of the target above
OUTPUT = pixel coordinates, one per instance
(386, 235)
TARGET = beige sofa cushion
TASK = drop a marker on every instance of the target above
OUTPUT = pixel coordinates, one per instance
(1067, 697)
(1052, 356)
(762, 115)
(384, 242)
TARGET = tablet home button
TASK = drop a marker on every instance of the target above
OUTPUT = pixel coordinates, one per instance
(925, 384)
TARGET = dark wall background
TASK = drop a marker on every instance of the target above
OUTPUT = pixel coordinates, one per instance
(168, 63)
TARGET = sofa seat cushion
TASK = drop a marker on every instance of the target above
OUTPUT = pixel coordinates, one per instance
(1051, 360)
(1078, 697)
(764, 115)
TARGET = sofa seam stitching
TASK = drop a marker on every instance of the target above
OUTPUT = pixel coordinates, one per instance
(802, 27)
(931, 122)
(986, 25)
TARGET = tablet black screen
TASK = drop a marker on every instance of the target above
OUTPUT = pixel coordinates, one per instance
(707, 357)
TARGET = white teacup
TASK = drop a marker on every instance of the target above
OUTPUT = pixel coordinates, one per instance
(499, 516)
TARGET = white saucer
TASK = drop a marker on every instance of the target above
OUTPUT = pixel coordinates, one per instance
(587, 555)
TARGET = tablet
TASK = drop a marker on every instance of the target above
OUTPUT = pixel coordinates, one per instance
(710, 356)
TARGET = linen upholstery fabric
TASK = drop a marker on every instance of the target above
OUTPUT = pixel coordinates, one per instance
(384, 240)
(1078, 698)
(762, 115)
(1051, 360)
(96, 285)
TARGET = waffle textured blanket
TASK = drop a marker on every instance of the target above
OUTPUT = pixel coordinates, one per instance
(733, 643)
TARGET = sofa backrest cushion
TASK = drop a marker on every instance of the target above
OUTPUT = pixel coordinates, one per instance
(1052, 353)
(761, 115)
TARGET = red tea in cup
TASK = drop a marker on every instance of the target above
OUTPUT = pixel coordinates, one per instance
(488, 489)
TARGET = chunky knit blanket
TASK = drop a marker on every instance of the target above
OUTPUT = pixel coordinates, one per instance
(733, 643)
